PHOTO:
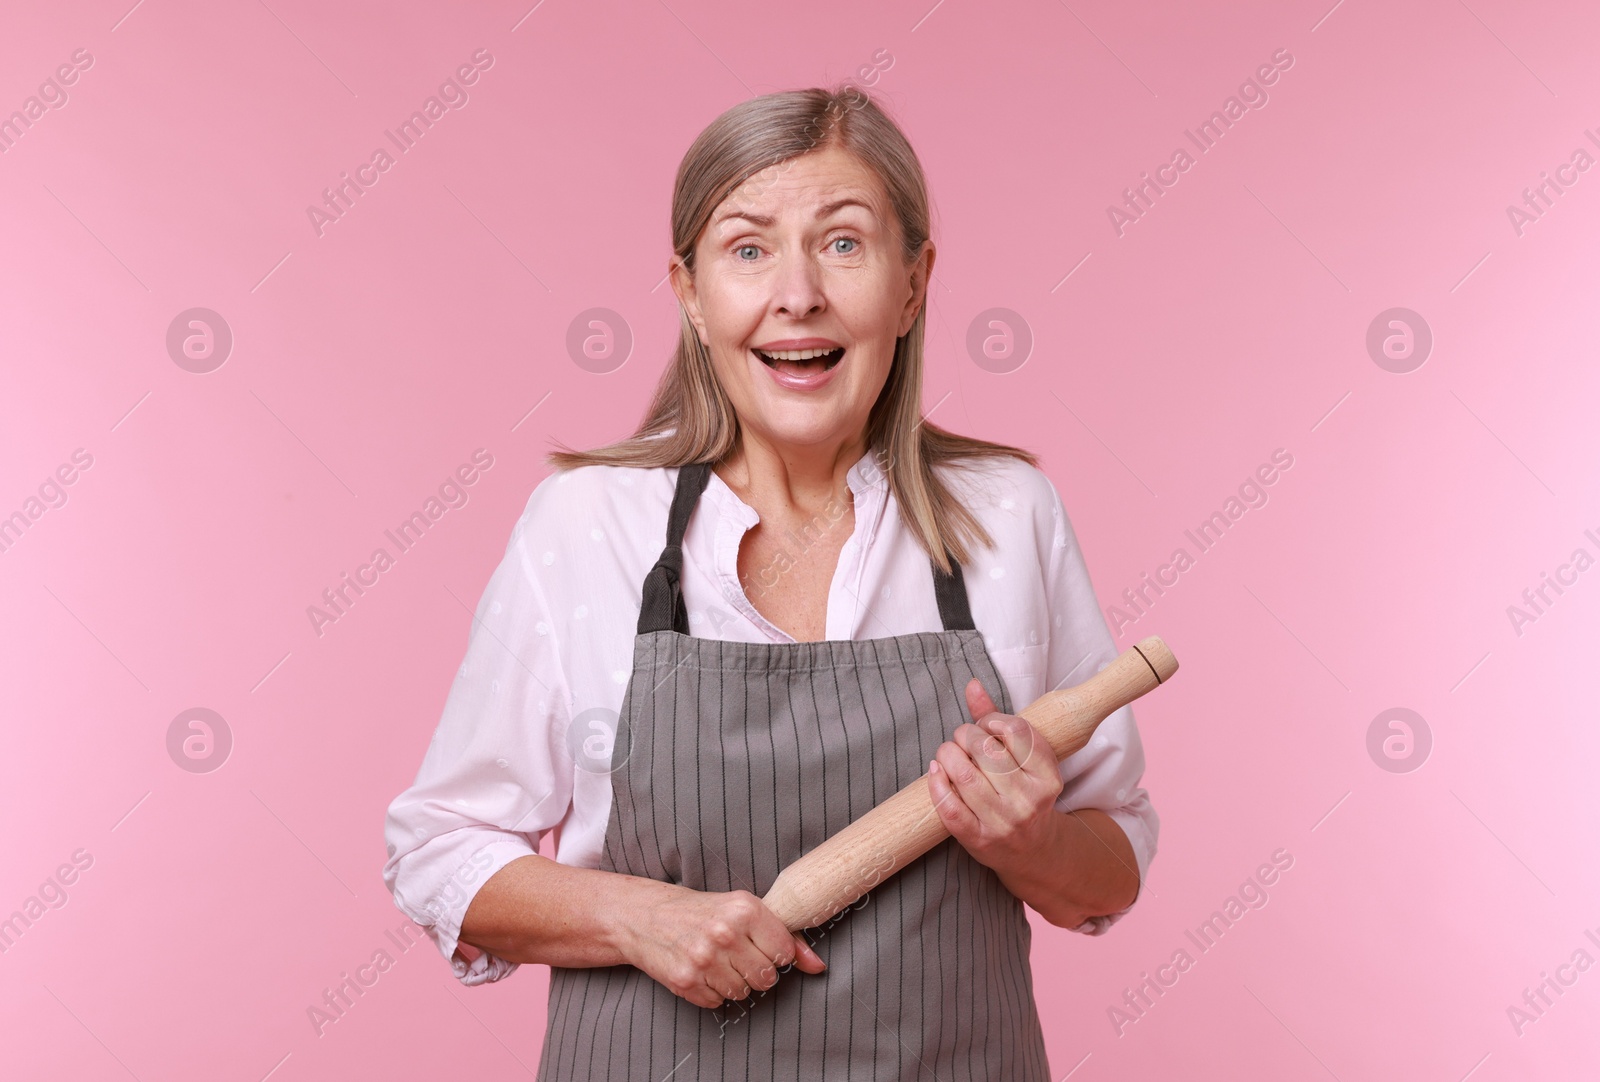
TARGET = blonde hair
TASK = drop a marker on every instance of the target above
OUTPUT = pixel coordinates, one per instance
(690, 418)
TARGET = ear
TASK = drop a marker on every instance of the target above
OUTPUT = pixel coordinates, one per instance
(921, 274)
(684, 286)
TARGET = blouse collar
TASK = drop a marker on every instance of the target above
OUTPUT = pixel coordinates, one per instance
(869, 489)
(867, 480)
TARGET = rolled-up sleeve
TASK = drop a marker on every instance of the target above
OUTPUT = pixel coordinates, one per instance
(496, 775)
(1105, 773)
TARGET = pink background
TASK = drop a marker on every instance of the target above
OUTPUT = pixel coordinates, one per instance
(369, 362)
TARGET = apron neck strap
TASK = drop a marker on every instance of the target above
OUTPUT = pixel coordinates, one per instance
(661, 606)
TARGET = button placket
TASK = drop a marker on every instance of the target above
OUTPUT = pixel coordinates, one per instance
(868, 504)
(734, 519)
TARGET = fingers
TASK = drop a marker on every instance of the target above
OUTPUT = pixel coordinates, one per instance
(958, 818)
(975, 761)
(988, 719)
(772, 941)
(960, 788)
(779, 949)
(1026, 746)
(991, 774)
(1023, 742)
(806, 959)
(733, 977)
(978, 700)
(758, 969)
(758, 948)
(700, 994)
(988, 751)
(745, 949)
(737, 988)
(750, 970)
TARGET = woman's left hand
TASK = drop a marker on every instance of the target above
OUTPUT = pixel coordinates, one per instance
(995, 786)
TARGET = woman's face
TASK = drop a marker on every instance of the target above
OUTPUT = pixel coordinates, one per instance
(803, 258)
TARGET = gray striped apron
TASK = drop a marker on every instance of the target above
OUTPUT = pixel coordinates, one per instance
(731, 760)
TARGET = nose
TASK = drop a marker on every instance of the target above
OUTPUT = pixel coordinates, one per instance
(797, 287)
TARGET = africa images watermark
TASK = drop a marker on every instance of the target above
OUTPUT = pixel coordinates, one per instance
(1252, 493)
(874, 471)
(455, 890)
(340, 199)
(52, 894)
(1136, 198)
(880, 863)
(1567, 174)
(1536, 1000)
(1566, 575)
(341, 996)
(52, 493)
(341, 598)
(817, 133)
(51, 95)
(798, 544)
(1252, 894)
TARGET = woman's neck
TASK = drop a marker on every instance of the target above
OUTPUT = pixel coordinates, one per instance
(783, 478)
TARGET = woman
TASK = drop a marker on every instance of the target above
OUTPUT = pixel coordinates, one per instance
(777, 549)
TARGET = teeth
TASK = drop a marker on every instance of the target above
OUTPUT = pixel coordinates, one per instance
(795, 354)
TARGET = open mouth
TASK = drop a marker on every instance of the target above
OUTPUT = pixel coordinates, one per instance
(802, 361)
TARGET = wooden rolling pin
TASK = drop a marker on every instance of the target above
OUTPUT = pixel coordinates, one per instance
(839, 871)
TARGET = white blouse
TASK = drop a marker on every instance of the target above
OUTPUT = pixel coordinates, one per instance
(524, 741)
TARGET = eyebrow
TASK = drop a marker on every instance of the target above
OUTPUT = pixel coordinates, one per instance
(766, 220)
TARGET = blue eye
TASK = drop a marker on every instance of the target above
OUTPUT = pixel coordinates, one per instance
(848, 240)
(746, 248)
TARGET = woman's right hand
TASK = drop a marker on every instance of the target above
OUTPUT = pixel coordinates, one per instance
(708, 947)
